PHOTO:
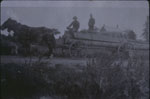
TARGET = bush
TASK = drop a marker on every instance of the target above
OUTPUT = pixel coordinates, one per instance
(20, 81)
(101, 79)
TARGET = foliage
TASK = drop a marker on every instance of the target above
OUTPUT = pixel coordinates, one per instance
(105, 77)
(1, 1)
(6, 44)
(131, 35)
(19, 82)
(146, 30)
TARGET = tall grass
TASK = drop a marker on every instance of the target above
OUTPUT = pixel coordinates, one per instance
(104, 77)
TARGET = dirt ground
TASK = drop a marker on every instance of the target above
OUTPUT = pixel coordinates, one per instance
(64, 61)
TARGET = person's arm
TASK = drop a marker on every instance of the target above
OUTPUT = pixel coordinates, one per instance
(70, 25)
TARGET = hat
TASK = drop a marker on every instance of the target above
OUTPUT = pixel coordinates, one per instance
(74, 17)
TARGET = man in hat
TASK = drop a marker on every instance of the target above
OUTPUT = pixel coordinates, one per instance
(91, 22)
(75, 25)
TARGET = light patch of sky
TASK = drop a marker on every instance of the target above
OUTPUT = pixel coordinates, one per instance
(58, 14)
(75, 4)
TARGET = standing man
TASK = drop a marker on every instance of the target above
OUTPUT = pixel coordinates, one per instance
(91, 22)
(75, 25)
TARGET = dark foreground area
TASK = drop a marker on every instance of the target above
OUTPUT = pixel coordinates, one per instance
(100, 79)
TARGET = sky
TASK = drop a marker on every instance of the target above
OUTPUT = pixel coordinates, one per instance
(59, 14)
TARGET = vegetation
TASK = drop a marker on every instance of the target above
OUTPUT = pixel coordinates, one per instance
(146, 30)
(131, 35)
(1, 1)
(105, 77)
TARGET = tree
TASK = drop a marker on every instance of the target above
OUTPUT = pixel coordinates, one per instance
(1, 1)
(131, 35)
(146, 30)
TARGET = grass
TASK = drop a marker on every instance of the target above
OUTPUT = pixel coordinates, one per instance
(99, 80)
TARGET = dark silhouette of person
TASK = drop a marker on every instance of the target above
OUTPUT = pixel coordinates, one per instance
(75, 25)
(103, 28)
(91, 22)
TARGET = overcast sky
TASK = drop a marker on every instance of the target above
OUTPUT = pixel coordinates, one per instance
(58, 14)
